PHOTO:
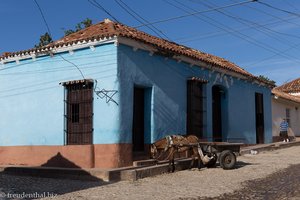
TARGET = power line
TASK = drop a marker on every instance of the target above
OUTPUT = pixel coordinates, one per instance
(276, 54)
(281, 19)
(53, 61)
(219, 25)
(60, 69)
(45, 21)
(269, 14)
(41, 12)
(73, 65)
(46, 88)
(34, 84)
(246, 22)
(221, 33)
(172, 67)
(278, 9)
(97, 5)
(235, 33)
(195, 13)
(151, 26)
(291, 5)
(165, 62)
(266, 31)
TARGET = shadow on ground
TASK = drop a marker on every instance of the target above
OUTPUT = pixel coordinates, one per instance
(46, 180)
(240, 164)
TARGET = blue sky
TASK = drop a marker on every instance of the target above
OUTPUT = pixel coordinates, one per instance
(258, 38)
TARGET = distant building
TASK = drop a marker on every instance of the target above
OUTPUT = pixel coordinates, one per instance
(286, 104)
(134, 89)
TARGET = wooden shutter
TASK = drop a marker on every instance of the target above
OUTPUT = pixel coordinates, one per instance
(195, 108)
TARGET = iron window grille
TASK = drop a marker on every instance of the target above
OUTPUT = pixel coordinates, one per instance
(78, 112)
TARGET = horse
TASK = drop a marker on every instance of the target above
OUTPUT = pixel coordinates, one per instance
(175, 144)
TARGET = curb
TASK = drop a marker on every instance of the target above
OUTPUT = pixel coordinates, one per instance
(131, 173)
(271, 147)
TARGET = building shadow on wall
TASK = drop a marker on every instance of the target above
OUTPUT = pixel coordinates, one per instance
(57, 176)
(59, 161)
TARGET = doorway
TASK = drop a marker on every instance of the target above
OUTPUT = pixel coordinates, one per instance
(138, 126)
(218, 95)
(259, 115)
(195, 108)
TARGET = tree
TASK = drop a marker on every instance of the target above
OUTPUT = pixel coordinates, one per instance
(86, 23)
(68, 32)
(45, 39)
(264, 78)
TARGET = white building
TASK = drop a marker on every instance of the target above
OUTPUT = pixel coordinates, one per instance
(286, 104)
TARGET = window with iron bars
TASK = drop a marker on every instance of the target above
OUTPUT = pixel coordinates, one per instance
(288, 116)
(78, 112)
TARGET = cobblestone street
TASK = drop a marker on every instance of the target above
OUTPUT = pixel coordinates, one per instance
(280, 185)
(270, 175)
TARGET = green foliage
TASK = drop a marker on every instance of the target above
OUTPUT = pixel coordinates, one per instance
(87, 22)
(68, 32)
(83, 24)
(44, 40)
(264, 78)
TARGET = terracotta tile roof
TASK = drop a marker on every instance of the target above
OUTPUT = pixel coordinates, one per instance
(109, 28)
(285, 95)
(291, 87)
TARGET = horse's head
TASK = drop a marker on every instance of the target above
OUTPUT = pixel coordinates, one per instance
(153, 151)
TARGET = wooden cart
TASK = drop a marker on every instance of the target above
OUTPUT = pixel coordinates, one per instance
(223, 152)
(211, 152)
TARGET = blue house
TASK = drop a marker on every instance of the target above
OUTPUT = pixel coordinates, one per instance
(100, 96)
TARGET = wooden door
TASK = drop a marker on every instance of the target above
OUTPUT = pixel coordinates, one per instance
(217, 113)
(195, 108)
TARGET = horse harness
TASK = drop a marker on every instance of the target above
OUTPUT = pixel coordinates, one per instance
(170, 141)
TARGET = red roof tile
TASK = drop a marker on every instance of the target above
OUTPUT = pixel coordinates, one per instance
(285, 95)
(109, 28)
(291, 87)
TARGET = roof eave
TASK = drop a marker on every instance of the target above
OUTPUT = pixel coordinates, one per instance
(56, 49)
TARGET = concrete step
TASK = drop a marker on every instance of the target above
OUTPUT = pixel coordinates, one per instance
(155, 170)
(141, 163)
(118, 174)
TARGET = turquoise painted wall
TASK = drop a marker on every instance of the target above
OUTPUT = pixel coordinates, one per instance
(31, 99)
(32, 107)
(167, 78)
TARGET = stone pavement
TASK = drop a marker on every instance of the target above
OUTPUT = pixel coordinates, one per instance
(127, 173)
(215, 183)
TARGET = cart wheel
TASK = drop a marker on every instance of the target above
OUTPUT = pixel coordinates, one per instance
(227, 159)
(213, 161)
